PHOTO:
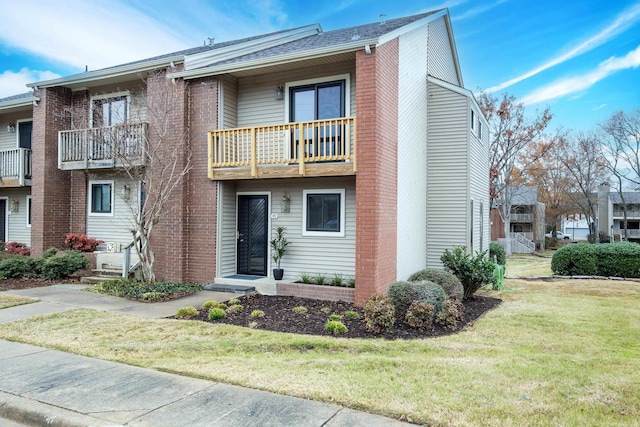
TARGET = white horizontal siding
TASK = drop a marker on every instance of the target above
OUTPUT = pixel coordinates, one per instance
(441, 61)
(229, 102)
(447, 173)
(228, 229)
(9, 140)
(256, 104)
(16, 222)
(306, 254)
(412, 153)
(117, 227)
(479, 174)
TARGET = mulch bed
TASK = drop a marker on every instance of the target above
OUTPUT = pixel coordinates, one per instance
(31, 282)
(280, 317)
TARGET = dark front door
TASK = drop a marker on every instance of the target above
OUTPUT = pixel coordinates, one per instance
(252, 235)
(3, 219)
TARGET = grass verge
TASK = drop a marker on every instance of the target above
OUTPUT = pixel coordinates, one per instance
(544, 357)
(7, 300)
(524, 265)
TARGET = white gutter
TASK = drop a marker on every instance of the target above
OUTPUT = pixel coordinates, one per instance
(117, 71)
(274, 60)
(20, 102)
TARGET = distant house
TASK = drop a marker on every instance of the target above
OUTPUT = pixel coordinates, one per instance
(611, 213)
(526, 222)
(362, 142)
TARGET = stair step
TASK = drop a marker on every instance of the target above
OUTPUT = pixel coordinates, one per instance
(92, 280)
(107, 272)
(236, 289)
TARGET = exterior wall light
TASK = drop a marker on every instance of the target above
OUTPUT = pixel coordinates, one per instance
(285, 204)
(278, 93)
(11, 128)
(14, 205)
(126, 192)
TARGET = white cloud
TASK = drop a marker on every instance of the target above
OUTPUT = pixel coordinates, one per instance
(12, 83)
(625, 20)
(477, 10)
(599, 107)
(571, 85)
(79, 33)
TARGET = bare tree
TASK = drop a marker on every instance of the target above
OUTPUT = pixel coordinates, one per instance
(167, 160)
(582, 156)
(511, 133)
(622, 146)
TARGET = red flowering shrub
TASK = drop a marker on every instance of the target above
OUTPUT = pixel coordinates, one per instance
(81, 242)
(17, 248)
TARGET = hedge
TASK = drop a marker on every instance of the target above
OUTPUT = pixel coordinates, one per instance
(609, 260)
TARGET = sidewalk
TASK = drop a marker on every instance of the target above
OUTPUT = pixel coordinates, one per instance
(44, 387)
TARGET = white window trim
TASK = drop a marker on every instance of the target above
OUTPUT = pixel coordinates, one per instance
(18, 130)
(94, 98)
(341, 231)
(347, 91)
(90, 198)
(28, 207)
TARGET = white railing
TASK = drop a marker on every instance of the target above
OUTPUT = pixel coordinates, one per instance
(521, 217)
(519, 244)
(630, 213)
(15, 165)
(102, 147)
(331, 140)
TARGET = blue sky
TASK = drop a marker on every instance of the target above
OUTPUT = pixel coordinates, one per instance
(582, 59)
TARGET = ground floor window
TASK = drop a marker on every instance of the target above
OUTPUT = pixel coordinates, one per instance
(101, 197)
(323, 212)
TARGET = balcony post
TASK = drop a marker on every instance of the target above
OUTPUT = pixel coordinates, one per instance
(301, 144)
(210, 144)
(20, 160)
(254, 165)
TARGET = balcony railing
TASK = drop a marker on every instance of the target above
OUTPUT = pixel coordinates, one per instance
(630, 213)
(315, 148)
(106, 147)
(521, 217)
(630, 232)
(15, 167)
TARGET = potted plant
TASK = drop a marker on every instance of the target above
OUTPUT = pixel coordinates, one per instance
(278, 248)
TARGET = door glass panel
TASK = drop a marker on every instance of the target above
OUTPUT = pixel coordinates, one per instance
(303, 105)
(329, 102)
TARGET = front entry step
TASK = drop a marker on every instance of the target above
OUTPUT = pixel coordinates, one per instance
(236, 289)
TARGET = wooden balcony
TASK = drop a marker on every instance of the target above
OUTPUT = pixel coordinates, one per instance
(103, 148)
(15, 168)
(521, 217)
(315, 148)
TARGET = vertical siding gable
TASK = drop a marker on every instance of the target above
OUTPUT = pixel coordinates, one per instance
(441, 60)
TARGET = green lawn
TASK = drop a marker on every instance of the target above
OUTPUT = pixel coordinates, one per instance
(524, 265)
(554, 353)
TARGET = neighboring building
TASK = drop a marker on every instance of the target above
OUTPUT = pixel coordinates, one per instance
(526, 222)
(362, 142)
(16, 124)
(611, 213)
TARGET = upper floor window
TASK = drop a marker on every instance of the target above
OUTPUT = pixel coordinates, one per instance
(317, 101)
(109, 110)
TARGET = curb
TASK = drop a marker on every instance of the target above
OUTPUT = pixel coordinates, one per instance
(34, 413)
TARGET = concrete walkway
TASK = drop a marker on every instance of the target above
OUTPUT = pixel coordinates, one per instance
(42, 387)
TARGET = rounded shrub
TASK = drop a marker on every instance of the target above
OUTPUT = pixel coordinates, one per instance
(19, 266)
(335, 327)
(420, 315)
(452, 311)
(235, 308)
(575, 260)
(61, 266)
(447, 280)
(403, 294)
(257, 313)
(497, 253)
(379, 313)
(217, 313)
(186, 312)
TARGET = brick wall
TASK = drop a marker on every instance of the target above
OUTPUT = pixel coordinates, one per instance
(201, 191)
(51, 186)
(329, 293)
(167, 102)
(376, 179)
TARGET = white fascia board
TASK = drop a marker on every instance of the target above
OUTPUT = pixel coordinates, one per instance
(16, 103)
(460, 90)
(91, 76)
(217, 55)
(410, 27)
(273, 60)
(454, 49)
